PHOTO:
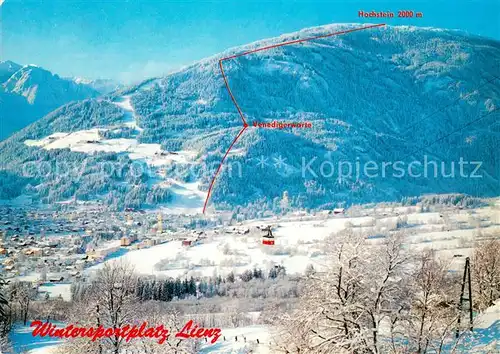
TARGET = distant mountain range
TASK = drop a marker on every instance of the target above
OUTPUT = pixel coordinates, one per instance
(102, 86)
(384, 94)
(28, 93)
(7, 69)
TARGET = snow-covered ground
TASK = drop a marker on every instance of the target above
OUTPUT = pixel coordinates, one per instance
(23, 341)
(226, 252)
(90, 141)
(130, 119)
(232, 341)
(259, 338)
(56, 290)
(241, 340)
(299, 241)
(187, 198)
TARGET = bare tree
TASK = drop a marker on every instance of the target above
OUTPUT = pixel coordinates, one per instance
(114, 298)
(154, 313)
(386, 284)
(485, 270)
(4, 305)
(5, 317)
(373, 298)
(432, 315)
(110, 301)
(51, 309)
(342, 308)
(23, 294)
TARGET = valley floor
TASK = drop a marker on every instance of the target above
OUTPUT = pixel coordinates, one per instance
(301, 239)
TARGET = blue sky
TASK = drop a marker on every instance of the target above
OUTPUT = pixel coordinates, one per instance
(133, 40)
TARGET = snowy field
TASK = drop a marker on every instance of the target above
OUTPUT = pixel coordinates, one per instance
(187, 198)
(22, 340)
(246, 340)
(90, 141)
(258, 338)
(225, 252)
(241, 340)
(300, 240)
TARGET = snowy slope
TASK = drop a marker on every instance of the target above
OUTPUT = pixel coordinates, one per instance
(23, 341)
(241, 346)
(245, 251)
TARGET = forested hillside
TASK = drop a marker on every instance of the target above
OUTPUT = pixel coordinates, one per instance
(383, 95)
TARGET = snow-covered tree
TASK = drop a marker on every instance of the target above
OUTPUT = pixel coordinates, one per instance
(23, 293)
(110, 301)
(372, 298)
(155, 314)
(485, 266)
(5, 317)
(432, 313)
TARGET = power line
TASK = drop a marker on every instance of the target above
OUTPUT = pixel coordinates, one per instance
(453, 132)
(450, 104)
(401, 135)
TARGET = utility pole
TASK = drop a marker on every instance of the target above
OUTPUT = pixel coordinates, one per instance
(98, 325)
(466, 277)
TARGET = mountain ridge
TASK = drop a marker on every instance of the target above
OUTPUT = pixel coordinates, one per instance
(7, 68)
(103, 86)
(30, 92)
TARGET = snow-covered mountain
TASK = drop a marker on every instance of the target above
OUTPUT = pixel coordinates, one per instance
(103, 86)
(384, 95)
(7, 68)
(30, 92)
(41, 87)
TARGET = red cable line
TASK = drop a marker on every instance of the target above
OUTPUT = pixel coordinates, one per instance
(231, 93)
(220, 166)
(245, 125)
(302, 40)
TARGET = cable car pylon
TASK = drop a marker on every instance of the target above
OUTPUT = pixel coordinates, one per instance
(467, 279)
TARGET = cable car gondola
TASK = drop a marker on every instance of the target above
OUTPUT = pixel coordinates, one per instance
(268, 239)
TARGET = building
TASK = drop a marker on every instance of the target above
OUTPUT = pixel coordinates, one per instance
(56, 279)
(8, 262)
(102, 252)
(338, 211)
(36, 252)
(128, 240)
